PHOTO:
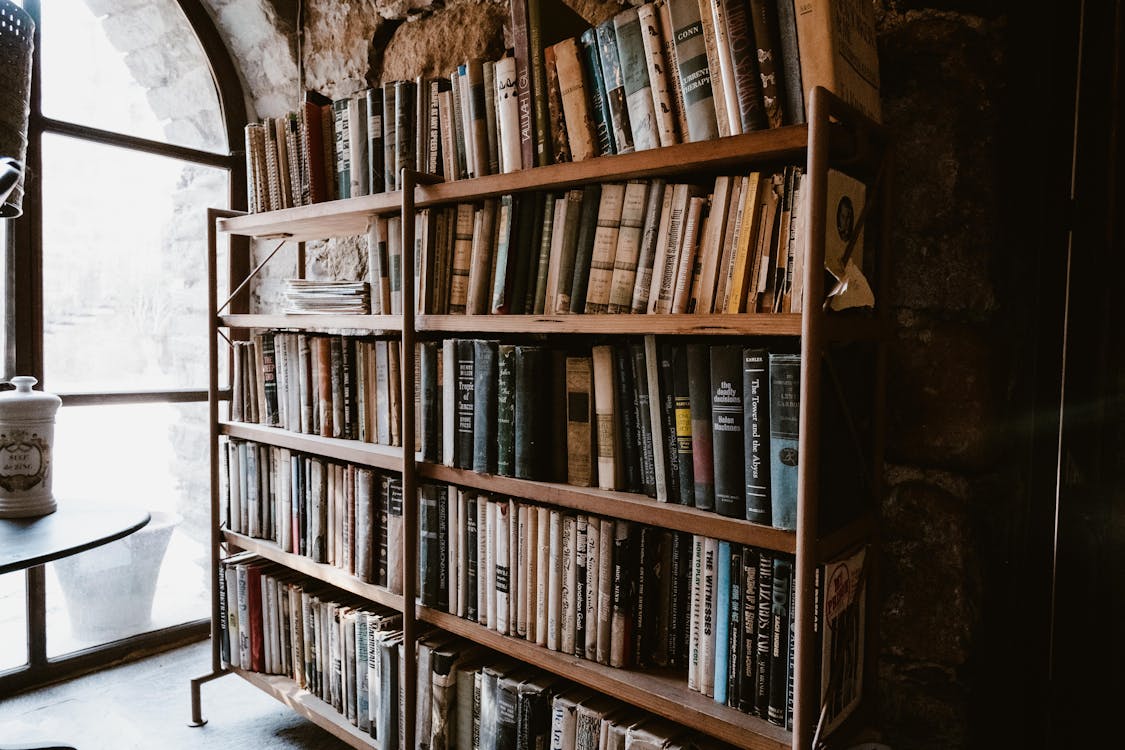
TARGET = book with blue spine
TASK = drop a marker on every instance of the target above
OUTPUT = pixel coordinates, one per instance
(785, 416)
(614, 81)
(591, 62)
(722, 621)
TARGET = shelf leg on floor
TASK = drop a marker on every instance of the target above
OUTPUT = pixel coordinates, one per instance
(197, 719)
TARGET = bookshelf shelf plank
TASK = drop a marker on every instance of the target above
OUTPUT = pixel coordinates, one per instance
(308, 705)
(321, 571)
(718, 156)
(625, 505)
(363, 323)
(377, 456)
(656, 692)
(350, 216)
(698, 325)
(345, 217)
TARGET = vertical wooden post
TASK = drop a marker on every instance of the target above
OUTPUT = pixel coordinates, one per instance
(409, 489)
(806, 698)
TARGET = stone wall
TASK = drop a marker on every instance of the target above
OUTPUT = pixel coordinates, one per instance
(943, 68)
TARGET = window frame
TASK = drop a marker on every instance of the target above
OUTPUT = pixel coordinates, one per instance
(24, 315)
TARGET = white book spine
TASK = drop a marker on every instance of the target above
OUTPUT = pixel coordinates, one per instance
(567, 600)
(521, 567)
(482, 560)
(503, 574)
(593, 528)
(463, 552)
(554, 585)
(490, 535)
(448, 401)
(513, 564)
(542, 572)
(695, 610)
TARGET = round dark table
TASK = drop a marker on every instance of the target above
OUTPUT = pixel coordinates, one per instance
(75, 527)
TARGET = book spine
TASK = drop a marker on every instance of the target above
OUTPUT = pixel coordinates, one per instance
(505, 410)
(699, 396)
(470, 555)
(591, 63)
(747, 687)
(603, 254)
(762, 36)
(727, 423)
(614, 82)
(428, 545)
(484, 407)
(605, 409)
(792, 87)
(764, 642)
(390, 136)
(683, 425)
(646, 254)
(645, 433)
(584, 247)
(588, 648)
(502, 565)
(556, 120)
(756, 434)
(567, 602)
(543, 570)
(784, 421)
(357, 146)
(480, 271)
(405, 126)
(576, 95)
(708, 602)
(663, 97)
(735, 641)
(466, 381)
(546, 242)
(635, 74)
(722, 622)
(520, 565)
(604, 642)
(579, 593)
(568, 248)
(530, 412)
(580, 426)
(694, 72)
(624, 578)
(695, 616)
(521, 45)
(780, 614)
(476, 123)
(629, 460)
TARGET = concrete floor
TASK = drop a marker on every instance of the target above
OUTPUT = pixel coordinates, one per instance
(146, 706)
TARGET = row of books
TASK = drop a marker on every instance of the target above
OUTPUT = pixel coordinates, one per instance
(340, 514)
(664, 72)
(349, 654)
(621, 593)
(715, 427)
(341, 648)
(645, 246)
(319, 384)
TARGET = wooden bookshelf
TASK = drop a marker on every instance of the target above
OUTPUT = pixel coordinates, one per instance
(626, 505)
(661, 693)
(353, 451)
(308, 705)
(834, 131)
(354, 324)
(330, 574)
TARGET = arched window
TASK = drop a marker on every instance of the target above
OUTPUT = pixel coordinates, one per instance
(136, 114)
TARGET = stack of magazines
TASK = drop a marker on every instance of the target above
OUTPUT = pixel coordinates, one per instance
(305, 296)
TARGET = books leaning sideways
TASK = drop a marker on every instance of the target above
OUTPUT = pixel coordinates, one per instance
(304, 296)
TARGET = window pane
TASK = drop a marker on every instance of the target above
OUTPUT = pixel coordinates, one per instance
(124, 267)
(135, 68)
(13, 620)
(156, 577)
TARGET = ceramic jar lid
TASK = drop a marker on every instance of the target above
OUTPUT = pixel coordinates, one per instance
(24, 404)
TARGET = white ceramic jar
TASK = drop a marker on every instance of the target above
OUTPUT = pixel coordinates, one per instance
(27, 432)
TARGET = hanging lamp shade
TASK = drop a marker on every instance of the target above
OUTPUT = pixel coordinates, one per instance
(16, 39)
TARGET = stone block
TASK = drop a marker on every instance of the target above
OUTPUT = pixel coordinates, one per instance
(940, 78)
(337, 39)
(942, 398)
(433, 45)
(922, 707)
(137, 27)
(930, 576)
